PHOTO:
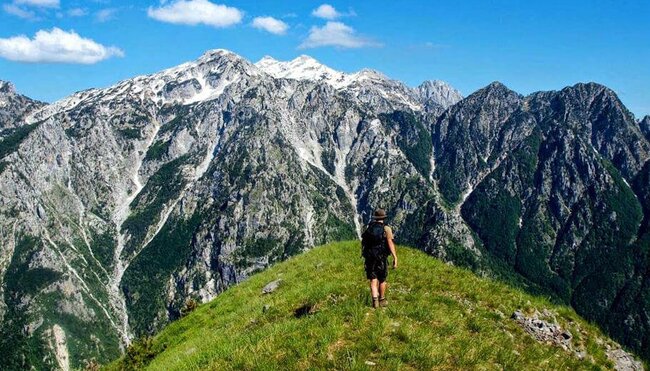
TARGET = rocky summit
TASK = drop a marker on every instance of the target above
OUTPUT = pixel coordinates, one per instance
(119, 204)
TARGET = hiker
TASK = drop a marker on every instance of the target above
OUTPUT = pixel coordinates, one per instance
(376, 245)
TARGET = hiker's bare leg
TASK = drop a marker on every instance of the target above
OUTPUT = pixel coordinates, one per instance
(374, 291)
(374, 288)
(382, 289)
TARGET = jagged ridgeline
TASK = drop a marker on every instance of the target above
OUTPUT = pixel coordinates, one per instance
(119, 204)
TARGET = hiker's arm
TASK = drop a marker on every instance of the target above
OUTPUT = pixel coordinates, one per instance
(393, 252)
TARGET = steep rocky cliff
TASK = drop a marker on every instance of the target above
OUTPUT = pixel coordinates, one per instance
(13, 107)
(645, 126)
(119, 204)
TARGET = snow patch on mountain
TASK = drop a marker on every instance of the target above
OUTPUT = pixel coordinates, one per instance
(359, 83)
(305, 68)
(208, 77)
(189, 83)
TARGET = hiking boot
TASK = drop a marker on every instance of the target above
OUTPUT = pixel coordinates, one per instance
(375, 303)
(383, 302)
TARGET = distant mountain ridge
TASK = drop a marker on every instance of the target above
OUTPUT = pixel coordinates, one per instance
(307, 68)
(199, 175)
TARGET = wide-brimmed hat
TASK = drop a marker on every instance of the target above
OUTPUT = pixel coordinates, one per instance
(379, 214)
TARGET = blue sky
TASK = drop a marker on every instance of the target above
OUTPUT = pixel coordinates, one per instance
(527, 45)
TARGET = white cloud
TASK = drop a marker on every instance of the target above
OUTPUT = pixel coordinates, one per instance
(13, 9)
(193, 12)
(56, 46)
(41, 3)
(326, 11)
(77, 12)
(105, 15)
(270, 24)
(21, 8)
(335, 34)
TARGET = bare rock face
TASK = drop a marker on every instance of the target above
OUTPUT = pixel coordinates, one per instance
(271, 286)
(435, 93)
(14, 107)
(119, 204)
(544, 328)
(623, 361)
(544, 331)
(645, 126)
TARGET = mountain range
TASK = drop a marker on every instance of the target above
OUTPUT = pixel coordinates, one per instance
(119, 204)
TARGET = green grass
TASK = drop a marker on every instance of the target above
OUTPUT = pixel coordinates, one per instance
(439, 316)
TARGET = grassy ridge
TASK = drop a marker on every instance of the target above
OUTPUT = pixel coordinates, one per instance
(439, 317)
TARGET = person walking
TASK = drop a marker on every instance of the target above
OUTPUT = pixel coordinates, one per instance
(376, 245)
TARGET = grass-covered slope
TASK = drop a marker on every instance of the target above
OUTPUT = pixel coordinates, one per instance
(438, 316)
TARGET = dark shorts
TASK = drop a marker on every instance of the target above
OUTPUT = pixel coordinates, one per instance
(377, 269)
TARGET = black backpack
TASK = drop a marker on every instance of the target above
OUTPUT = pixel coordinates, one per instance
(373, 242)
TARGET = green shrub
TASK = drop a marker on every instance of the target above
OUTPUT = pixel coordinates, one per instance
(189, 307)
(103, 246)
(139, 354)
(130, 133)
(448, 186)
(92, 365)
(493, 214)
(157, 150)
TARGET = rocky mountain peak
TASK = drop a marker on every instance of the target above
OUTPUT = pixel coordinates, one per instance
(13, 106)
(497, 86)
(218, 57)
(438, 91)
(591, 88)
(370, 74)
(192, 82)
(212, 53)
(267, 59)
(587, 94)
(303, 68)
(366, 84)
(303, 58)
(7, 88)
(493, 93)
